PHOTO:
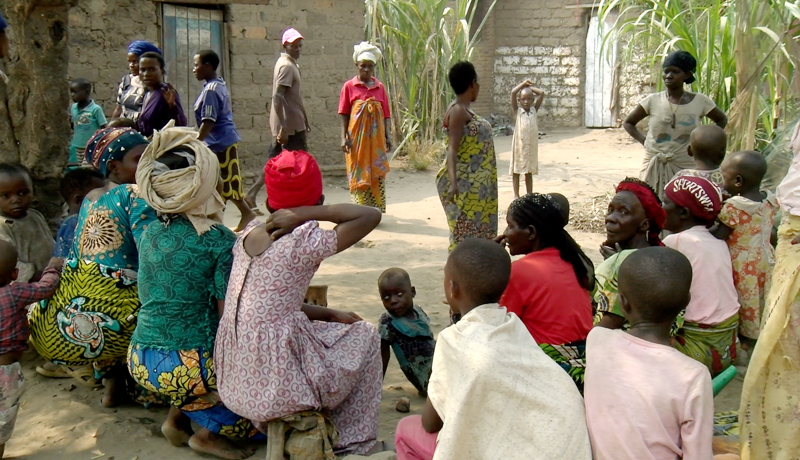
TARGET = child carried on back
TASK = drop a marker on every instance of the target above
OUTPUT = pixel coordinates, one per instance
(707, 146)
(745, 223)
(405, 329)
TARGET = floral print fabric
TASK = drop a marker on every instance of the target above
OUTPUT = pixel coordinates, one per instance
(187, 378)
(272, 361)
(473, 213)
(752, 256)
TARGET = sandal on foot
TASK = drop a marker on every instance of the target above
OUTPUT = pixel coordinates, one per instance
(58, 373)
(84, 375)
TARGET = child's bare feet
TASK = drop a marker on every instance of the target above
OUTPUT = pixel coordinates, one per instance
(177, 428)
(207, 442)
(246, 219)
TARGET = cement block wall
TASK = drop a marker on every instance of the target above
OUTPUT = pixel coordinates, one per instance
(101, 30)
(545, 42)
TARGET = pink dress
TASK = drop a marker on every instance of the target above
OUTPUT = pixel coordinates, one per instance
(272, 361)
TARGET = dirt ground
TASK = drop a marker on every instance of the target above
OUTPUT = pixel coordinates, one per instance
(57, 422)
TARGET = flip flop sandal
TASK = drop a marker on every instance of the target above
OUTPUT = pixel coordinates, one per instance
(84, 375)
(58, 373)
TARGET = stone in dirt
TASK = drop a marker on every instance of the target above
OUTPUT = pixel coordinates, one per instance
(404, 405)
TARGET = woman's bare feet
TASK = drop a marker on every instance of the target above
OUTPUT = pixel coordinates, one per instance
(177, 428)
(207, 442)
(246, 219)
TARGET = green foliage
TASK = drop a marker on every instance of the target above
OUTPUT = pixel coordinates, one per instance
(421, 40)
(746, 53)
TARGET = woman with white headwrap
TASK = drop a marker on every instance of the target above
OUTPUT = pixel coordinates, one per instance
(184, 263)
(366, 138)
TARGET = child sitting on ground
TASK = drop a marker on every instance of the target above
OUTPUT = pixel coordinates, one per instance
(493, 393)
(709, 330)
(14, 299)
(405, 328)
(74, 186)
(745, 223)
(707, 146)
(525, 143)
(21, 226)
(660, 401)
(87, 117)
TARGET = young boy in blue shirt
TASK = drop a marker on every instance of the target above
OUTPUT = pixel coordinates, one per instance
(87, 117)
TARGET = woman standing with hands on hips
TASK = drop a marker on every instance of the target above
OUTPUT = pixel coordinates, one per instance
(673, 113)
(162, 102)
(366, 138)
(467, 182)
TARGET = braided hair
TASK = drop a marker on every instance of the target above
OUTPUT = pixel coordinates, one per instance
(543, 213)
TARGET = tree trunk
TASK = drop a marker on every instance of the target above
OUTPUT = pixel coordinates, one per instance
(34, 106)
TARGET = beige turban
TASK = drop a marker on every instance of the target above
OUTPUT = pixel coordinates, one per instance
(366, 51)
(190, 191)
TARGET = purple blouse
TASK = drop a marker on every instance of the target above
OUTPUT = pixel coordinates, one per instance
(156, 113)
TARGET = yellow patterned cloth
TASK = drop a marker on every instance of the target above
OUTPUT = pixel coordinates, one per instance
(232, 180)
(473, 213)
(770, 409)
(91, 316)
(366, 161)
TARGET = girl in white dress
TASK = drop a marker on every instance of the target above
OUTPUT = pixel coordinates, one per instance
(525, 144)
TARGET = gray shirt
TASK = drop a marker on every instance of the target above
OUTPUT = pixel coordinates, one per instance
(293, 115)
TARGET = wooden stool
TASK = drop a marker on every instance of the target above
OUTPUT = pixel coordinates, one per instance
(317, 295)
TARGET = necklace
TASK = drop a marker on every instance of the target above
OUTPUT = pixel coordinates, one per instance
(675, 110)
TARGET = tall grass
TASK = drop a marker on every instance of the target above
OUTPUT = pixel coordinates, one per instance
(421, 40)
(746, 50)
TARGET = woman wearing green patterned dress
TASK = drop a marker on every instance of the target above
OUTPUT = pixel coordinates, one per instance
(467, 182)
(184, 263)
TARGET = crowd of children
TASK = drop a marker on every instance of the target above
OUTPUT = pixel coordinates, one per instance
(524, 372)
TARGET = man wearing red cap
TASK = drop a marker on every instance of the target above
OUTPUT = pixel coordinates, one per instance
(287, 116)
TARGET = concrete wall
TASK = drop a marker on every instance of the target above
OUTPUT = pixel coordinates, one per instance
(100, 31)
(544, 41)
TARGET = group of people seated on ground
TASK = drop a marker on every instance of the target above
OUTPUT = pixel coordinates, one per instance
(169, 306)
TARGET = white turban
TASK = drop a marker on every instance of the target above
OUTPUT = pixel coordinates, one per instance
(366, 51)
(190, 191)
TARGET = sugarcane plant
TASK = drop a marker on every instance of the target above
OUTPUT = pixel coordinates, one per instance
(421, 40)
(746, 50)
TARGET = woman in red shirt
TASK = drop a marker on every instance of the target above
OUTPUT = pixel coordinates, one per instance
(549, 287)
(364, 109)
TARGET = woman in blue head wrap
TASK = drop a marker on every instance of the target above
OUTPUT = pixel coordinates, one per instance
(131, 90)
(92, 315)
(674, 113)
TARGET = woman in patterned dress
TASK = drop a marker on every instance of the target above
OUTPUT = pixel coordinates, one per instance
(91, 317)
(366, 138)
(130, 94)
(467, 182)
(275, 356)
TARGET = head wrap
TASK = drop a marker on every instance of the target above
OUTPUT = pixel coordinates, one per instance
(290, 36)
(542, 212)
(139, 47)
(702, 198)
(650, 203)
(366, 51)
(111, 144)
(293, 179)
(190, 191)
(682, 60)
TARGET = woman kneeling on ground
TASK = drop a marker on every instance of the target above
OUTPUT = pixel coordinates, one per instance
(92, 315)
(184, 263)
(634, 221)
(549, 287)
(316, 358)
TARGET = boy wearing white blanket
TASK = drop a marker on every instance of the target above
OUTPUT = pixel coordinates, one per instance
(493, 393)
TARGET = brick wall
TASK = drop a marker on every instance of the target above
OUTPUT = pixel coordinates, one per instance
(483, 59)
(101, 30)
(545, 42)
